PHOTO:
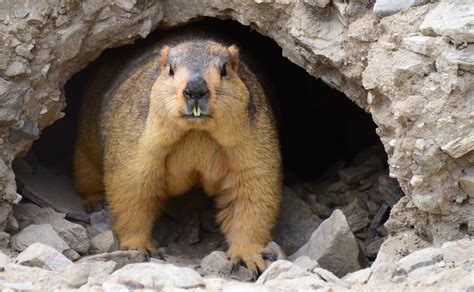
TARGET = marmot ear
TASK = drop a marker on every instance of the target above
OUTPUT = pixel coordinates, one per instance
(164, 57)
(234, 57)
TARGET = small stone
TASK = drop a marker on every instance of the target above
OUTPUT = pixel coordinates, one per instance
(333, 246)
(24, 51)
(282, 270)
(459, 146)
(379, 219)
(121, 258)
(306, 263)
(390, 190)
(384, 8)
(29, 213)
(329, 277)
(358, 278)
(43, 256)
(28, 131)
(409, 66)
(356, 215)
(372, 247)
(353, 175)
(4, 239)
(103, 242)
(422, 45)
(216, 263)
(4, 260)
(71, 254)
(451, 18)
(318, 3)
(294, 228)
(276, 250)
(126, 4)
(42, 233)
(79, 274)
(153, 276)
(420, 258)
(321, 210)
(16, 68)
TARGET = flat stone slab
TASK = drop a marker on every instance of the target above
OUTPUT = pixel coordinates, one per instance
(52, 191)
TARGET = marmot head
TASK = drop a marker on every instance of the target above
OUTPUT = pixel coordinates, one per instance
(199, 83)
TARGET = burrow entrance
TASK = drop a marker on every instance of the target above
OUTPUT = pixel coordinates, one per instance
(333, 159)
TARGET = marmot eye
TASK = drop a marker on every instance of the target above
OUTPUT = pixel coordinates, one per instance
(171, 72)
(223, 70)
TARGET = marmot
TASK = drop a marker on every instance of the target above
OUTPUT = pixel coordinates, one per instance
(174, 118)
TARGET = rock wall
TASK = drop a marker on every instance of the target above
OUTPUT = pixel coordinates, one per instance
(409, 63)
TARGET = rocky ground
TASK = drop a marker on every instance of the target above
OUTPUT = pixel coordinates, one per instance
(328, 236)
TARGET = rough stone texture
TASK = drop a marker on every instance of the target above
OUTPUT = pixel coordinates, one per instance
(216, 263)
(153, 276)
(412, 71)
(333, 246)
(43, 256)
(42, 233)
(103, 242)
(294, 228)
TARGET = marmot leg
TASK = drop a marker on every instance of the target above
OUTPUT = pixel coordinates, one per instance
(135, 206)
(247, 217)
(88, 180)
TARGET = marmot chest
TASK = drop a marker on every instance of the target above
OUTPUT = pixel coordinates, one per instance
(196, 160)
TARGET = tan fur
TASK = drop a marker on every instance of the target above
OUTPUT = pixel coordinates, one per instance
(143, 151)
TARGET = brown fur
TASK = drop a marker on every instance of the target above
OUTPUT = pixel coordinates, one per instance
(135, 146)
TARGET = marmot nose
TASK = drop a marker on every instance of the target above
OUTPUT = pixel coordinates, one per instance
(196, 89)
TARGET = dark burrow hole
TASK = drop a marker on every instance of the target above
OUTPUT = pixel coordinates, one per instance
(333, 159)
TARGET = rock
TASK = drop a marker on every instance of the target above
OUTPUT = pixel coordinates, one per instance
(338, 187)
(71, 254)
(80, 273)
(42, 233)
(459, 146)
(126, 4)
(372, 247)
(419, 259)
(384, 8)
(101, 218)
(458, 252)
(120, 258)
(219, 284)
(43, 256)
(16, 68)
(4, 239)
(27, 131)
(333, 246)
(410, 66)
(153, 276)
(352, 175)
(287, 276)
(4, 261)
(318, 3)
(466, 183)
(329, 277)
(53, 191)
(19, 275)
(216, 263)
(379, 219)
(356, 215)
(321, 210)
(450, 18)
(306, 263)
(103, 242)
(418, 44)
(73, 234)
(390, 189)
(359, 277)
(294, 228)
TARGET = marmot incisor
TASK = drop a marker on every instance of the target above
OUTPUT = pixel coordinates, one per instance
(192, 114)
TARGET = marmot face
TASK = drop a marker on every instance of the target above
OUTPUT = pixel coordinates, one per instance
(199, 84)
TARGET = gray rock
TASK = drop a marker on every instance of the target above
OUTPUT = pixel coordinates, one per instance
(4, 260)
(3, 168)
(418, 44)
(352, 175)
(153, 276)
(216, 263)
(80, 274)
(388, 7)
(53, 191)
(462, 60)
(126, 4)
(294, 228)
(329, 277)
(356, 215)
(359, 277)
(306, 263)
(102, 218)
(276, 250)
(4, 239)
(42, 233)
(333, 246)
(372, 247)
(27, 131)
(16, 68)
(451, 18)
(103, 242)
(458, 252)
(73, 234)
(43, 256)
(121, 258)
(282, 270)
(420, 258)
(318, 3)
(466, 183)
